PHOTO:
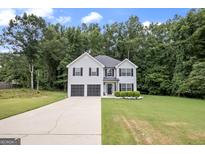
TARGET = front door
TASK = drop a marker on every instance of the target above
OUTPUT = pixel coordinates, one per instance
(109, 89)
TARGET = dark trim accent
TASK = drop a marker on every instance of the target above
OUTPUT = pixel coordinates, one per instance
(73, 71)
(120, 86)
(105, 72)
(89, 71)
(97, 71)
(131, 71)
(112, 72)
(81, 71)
(132, 87)
(119, 71)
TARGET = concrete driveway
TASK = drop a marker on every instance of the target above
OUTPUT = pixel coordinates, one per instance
(75, 120)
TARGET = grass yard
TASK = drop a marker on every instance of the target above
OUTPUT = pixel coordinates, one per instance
(153, 120)
(15, 101)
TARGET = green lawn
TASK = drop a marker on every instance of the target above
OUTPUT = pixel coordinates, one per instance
(153, 120)
(15, 101)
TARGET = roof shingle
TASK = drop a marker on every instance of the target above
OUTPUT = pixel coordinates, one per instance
(107, 61)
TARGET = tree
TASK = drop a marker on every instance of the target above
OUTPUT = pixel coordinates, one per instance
(23, 35)
(194, 86)
(170, 56)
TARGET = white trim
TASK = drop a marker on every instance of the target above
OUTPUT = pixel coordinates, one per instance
(83, 56)
(127, 61)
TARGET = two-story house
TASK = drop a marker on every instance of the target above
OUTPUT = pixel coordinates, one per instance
(100, 75)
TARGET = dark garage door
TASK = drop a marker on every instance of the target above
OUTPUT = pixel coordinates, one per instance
(93, 90)
(77, 90)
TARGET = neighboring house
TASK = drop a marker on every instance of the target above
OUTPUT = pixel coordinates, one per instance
(100, 75)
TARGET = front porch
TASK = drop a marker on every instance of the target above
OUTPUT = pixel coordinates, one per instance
(109, 87)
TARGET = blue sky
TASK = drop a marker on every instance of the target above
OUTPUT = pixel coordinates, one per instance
(74, 17)
(111, 15)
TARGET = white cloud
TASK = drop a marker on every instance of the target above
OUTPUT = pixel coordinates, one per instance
(93, 17)
(146, 23)
(63, 19)
(6, 15)
(2, 50)
(159, 23)
(43, 12)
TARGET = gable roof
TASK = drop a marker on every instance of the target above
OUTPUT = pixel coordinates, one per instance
(107, 61)
(84, 54)
(127, 61)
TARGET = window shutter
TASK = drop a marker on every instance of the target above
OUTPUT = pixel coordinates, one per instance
(89, 71)
(73, 71)
(120, 86)
(81, 71)
(119, 71)
(132, 71)
(97, 71)
(132, 87)
(105, 72)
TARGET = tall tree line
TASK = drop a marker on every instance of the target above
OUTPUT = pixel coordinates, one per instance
(170, 56)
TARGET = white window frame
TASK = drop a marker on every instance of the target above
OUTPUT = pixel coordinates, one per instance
(93, 71)
(126, 71)
(109, 71)
(123, 87)
(123, 72)
(126, 86)
(129, 87)
(129, 72)
(77, 71)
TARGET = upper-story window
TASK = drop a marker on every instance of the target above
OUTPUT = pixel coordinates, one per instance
(77, 71)
(94, 71)
(109, 72)
(126, 72)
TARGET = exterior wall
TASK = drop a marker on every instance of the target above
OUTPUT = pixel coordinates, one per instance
(85, 62)
(127, 79)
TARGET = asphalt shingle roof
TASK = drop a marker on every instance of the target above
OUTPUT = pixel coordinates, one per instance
(107, 61)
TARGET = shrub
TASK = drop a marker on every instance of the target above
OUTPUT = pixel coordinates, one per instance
(136, 93)
(127, 93)
(117, 93)
(123, 93)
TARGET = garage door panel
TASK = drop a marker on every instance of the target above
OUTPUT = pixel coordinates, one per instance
(77, 90)
(93, 90)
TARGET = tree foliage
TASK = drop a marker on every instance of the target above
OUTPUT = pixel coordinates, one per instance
(170, 56)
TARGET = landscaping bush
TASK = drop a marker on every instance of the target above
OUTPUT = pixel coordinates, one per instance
(117, 93)
(123, 93)
(127, 93)
(136, 93)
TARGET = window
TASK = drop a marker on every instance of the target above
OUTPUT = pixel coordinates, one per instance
(93, 71)
(129, 72)
(129, 87)
(125, 72)
(126, 87)
(123, 87)
(109, 72)
(78, 71)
